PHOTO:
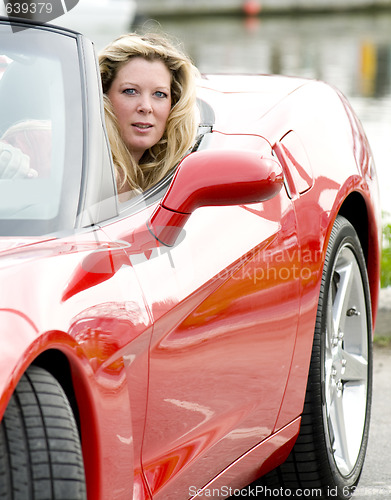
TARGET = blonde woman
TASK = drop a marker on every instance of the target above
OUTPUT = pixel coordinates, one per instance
(150, 107)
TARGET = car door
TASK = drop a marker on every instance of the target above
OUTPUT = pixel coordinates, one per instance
(224, 301)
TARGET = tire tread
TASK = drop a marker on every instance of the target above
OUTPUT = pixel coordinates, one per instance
(40, 454)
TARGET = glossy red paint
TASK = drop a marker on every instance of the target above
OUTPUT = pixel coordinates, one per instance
(188, 363)
(91, 328)
(256, 463)
(224, 178)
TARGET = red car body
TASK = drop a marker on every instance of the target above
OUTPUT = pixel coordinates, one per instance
(187, 365)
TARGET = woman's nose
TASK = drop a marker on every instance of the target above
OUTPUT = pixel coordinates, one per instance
(144, 105)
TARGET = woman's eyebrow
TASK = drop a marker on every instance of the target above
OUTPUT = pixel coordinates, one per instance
(129, 83)
(159, 87)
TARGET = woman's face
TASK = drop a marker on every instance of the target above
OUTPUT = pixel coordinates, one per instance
(141, 98)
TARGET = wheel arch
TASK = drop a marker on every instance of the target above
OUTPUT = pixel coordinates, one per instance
(59, 366)
(355, 210)
(56, 363)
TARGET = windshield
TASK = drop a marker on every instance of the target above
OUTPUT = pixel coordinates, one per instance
(40, 131)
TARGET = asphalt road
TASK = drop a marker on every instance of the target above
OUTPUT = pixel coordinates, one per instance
(375, 481)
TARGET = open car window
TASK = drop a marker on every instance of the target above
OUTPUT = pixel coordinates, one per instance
(156, 192)
(41, 116)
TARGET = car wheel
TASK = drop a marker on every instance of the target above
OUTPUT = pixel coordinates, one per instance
(40, 452)
(329, 453)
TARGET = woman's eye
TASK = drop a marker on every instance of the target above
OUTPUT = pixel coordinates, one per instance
(160, 94)
(129, 91)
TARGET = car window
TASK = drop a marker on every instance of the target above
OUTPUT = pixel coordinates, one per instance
(41, 117)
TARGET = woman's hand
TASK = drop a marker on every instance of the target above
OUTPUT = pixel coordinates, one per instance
(14, 164)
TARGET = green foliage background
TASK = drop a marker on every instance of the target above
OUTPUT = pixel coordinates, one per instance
(385, 275)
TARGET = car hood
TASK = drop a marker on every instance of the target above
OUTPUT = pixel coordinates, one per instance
(233, 98)
(276, 85)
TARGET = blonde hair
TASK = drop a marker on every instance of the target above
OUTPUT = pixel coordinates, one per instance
(182, 123)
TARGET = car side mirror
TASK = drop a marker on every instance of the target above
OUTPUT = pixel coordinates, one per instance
(214, 177)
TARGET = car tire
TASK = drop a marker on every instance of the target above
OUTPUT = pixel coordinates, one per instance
(40, 452)
(328, 456)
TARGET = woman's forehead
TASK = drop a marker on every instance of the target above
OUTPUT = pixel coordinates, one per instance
(142, 69)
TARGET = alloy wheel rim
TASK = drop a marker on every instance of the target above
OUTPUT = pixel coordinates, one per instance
(346, 361)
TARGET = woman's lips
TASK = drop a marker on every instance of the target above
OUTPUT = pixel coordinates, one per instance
(142, 127)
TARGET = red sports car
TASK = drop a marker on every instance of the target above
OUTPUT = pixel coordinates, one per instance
(209, 334)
